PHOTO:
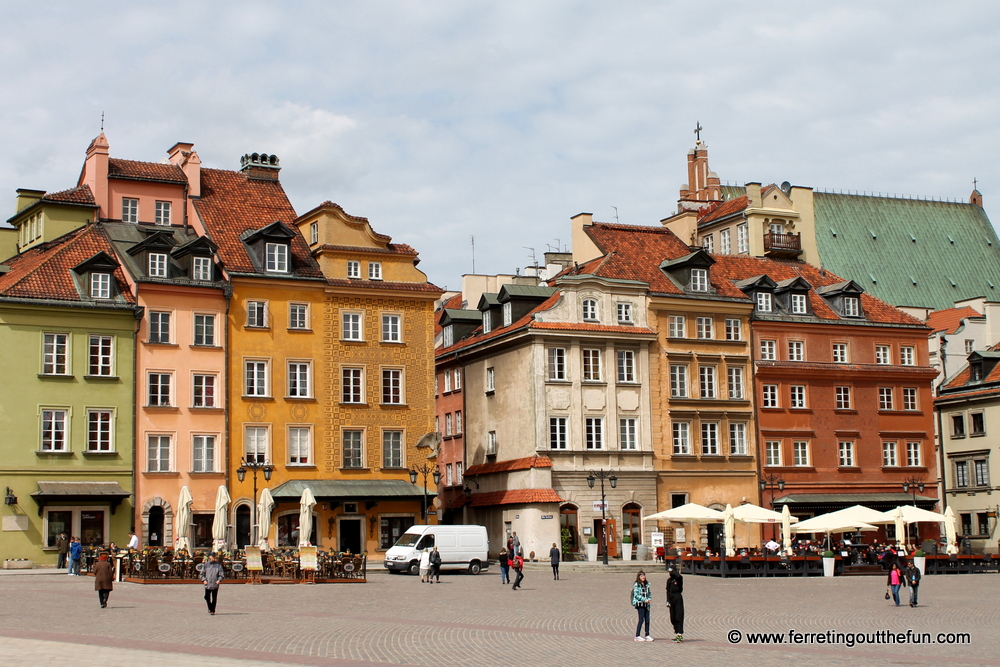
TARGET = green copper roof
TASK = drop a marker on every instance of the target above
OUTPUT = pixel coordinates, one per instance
(909, 252)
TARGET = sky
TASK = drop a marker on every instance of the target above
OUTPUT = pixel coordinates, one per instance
(446, 120)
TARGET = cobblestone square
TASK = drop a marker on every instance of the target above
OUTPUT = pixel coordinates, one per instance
(585, 618)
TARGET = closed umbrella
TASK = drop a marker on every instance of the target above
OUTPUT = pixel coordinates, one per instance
(786, 530)
(900, 522)
(264, 508)
(184, 518)
(950, 531)
(729, 526)
(221, 521)
(306, 503)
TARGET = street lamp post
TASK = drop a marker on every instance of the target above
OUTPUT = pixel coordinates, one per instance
(911, 485)
(425, 470)
(591, 478)
(241, 474)
(772, 481)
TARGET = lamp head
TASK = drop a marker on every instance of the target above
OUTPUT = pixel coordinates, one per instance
(241, 473)
(590, 480)
(781, 485)
(437, 477)
(467, 491)
(268, 470)
(413, 477)
(906, 487)
(613, 480)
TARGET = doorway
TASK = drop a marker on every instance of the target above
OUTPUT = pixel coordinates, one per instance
(350, 534)
(715, 533)
(612, 537)
(242, 526)
(155, 527)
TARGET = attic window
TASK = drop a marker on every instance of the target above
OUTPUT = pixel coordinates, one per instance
(590, 309)
(763, 302)
(852, 306)
(487, 321)
(353, 268)
(201, 268)
(374, 270)
(507, 314)
(277, 258)
(100, 285)
(157, 265)
(976, 372)
(798, 304)
(699, 280)
(448, 336)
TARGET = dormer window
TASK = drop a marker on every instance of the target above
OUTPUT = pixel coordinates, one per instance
(763, 302)
(976, 372)
(799, 304)
(353, 269)
(507, 314)
(487, 321)
(157, 265)
(277, 258)
(374, 270)
(590, 309)
(699, 280)
(201, 268)
(100, 285)
(852, 306)
(844, 298)
(448, 336)
(314, 233)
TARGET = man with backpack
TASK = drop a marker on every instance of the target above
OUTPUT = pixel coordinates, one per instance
(435, 565)
(517, 562)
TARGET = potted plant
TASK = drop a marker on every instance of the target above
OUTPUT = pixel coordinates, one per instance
(626, 548)
(592, 549)
(920, 560)
(829, 561)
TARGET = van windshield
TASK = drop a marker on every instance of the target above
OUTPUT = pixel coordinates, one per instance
(407, 540)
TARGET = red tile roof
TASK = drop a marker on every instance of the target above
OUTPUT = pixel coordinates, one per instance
(77, 195)
(452, 303)
(723, 209)
(965, 374)
(145, 171)
(949, 319)
(384, 285)
(586, 326)
(477, 337)
(392, 249)
(525, 463)
(515, 497)
(231, 204)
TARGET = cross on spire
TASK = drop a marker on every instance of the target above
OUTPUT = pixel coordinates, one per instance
(697, 130)
(975, 183)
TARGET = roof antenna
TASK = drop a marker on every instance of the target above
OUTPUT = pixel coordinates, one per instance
(616, 214)
(473, 254)
(102, 121)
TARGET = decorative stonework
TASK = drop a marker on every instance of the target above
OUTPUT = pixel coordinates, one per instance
(168, 520)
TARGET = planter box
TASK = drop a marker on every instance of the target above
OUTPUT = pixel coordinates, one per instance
(828, 565)
(592, 552)
(626, 552)
(18, 565)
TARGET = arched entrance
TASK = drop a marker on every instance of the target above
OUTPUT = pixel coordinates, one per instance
(242, 526)
(155, 522)
(632, 522)
(569, 527)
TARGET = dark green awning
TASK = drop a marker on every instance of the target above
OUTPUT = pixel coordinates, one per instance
(350, 490)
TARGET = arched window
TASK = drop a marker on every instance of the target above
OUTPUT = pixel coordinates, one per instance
(632, 522)
(569, 527)
(589, 309)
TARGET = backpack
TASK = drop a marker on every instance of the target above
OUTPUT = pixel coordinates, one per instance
(518, 563)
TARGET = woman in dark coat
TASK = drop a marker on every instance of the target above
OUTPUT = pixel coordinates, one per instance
(103, 580)
(675, 601)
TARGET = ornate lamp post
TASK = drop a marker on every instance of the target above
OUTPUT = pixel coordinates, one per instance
(591, 478)
(772, 481)
(425, 470)
(241, 474)
(911, 485)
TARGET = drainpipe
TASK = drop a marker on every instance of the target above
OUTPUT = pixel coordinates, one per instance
(755, 412)
(940, 424)
(139, 312)
(227, 291)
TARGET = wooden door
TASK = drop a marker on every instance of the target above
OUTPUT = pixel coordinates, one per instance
(612, 529)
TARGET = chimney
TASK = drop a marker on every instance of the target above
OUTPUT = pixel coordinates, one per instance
(26, 198)
(95, 173)
(182, 154)
(260, 166)
(703, 187)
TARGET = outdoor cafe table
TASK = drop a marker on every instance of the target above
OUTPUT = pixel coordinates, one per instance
(740, 566)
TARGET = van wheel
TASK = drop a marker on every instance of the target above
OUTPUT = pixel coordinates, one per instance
(414, 568)
(474, 567)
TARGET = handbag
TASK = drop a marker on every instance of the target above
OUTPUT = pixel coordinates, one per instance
(887, 596)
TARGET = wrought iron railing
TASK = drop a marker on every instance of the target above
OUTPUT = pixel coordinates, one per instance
(779, 241)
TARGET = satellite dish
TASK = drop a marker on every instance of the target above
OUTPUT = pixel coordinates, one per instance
(786, 187)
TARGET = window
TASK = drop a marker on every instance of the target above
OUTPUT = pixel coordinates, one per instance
(447, 425)
(842, 400)
(277, 258)
(162, 213)
(157, 265)
(958, 426)
(678, 381)
(458, 378)
(708, 243)
(976, 372)
(255, 444)
(508, 314)
(487, 321)
(699, 280)
(983, 523)
(56, 354)
(882, 354)
(314, 233)
(374, 270)
(204, 329)
(458, 422)
(390, 328)
(299, 384)
(591, 365)
(299, 445)
(99, 429)
(130, 210)
(909, 398)
(966, 524)
(256, 378)
(558, 436)
(840, 353)
(589, 309)
(772, 453)
(704, 328)
(846, 448)
(448, 336)
(800, 453)
(852, 306)
(626, 366)
(490, 380)
(913, 454)
(769, 396)
(159, 389)
(889, 459)
(392, 449)
(677, 326)
(798, 396)
(961, 474)
(449, 475)
(796, 350)
(447, 382)
(737, 439)
(353, 451)
(158, 453)
(763, 302)
(351, 386)
(392, 528)
(203, 395)
(725, 241)
(885, 398)
(734, 377)
(682, 438)
(353, 269)
(906, 357)
(978, 423)
(159, 327)
(594, 432)
(298, 316)
(624, 313)
(392, 386)
(709, 438)
(628, 437)
(742, 238)
(203, 453)
(734, 330)
(706, 381)
(458, 472)
(491, 443)
(799, 304)
(256, 313)
(101, 355)
(768, 350)
(351, 329)
(100, 285)
(982, 473)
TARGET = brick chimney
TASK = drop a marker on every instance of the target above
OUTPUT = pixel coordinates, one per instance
(260, 166)
(183, 155)
(95, 173)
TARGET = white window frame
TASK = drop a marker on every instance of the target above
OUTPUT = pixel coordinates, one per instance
(852, 306)
(772, 453)
(157, 265)
(374, 270)
(352, 385)
(707, 382)
(763, 302)
(392, 328)
(885, 398)
(558, 433)
(742, 238)
(105, 442)
(704, 328)
(626, 366)
(841, 353)
(201, 268)
(351, 326)
(769, 396)
(681, 438)
(160, 328)
(161, 213)
(708, 243)
(628, 432)
(393, 386)
(589, 308)
(298, 316)
(490, 380)
(458, 422)
(257, 442)
(299, 453)
(797, 396)
(130, 209)
(300, 379)
(798, 303)
(907, 355)
(313, 233)
(913, 458)
(257, 377)
(768, 350)
(801, 454)
(796, 350)
(699, 280)
(448, 336)
(593, 430)
(842, 398)
(164, 398)
(163, 463)
(710, 438)
(276, 257)
(556, 364)
(487, 321)
(457, 373)
(734, 329)
(100, 285)
(56, 438)
(677, 326)
(206, 323)
(591, 365)
(725, 241)
(737, 438)
(198, 393)
(491, 443)
(200, 461)
(883, 355)
(258, 315)
(447, 381)
(354, 269)
(392, 447)
(845, 451)
(624, 310)
(734, 382)
(910, 399)
(678, 381)
(102, 359)
(890, 454)
(508, 313)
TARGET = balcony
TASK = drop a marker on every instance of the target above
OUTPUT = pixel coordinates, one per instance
(782, 245)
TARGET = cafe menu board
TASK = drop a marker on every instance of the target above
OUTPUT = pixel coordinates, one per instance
(254, 563)
(307, 558)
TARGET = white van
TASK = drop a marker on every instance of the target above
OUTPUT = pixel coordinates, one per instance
(461, 548)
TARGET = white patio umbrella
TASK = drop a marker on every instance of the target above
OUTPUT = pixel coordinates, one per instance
(184, 503)
(750, 513)
(221, 521)
(264, 507)
(824, 523)
(950, 531)
(685, 513)
(306, 503)
(729, 527)
(907, 514)
(786, 530)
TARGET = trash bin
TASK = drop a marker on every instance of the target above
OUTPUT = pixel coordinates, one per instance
(641, 552)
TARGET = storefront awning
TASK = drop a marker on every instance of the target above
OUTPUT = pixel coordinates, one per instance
(338, 490)
(79, 492)
(828, 502)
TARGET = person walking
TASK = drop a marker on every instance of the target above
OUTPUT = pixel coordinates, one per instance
(504, 567)
(62, 544)
(212, 576)
(518, 564)
(103, 579)
(911, 577)
(895, 580)
(435, 572)
(516, 544)
(554, 559)
(640, 600)
(675, 602)
(75, 554)
(425, 566)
